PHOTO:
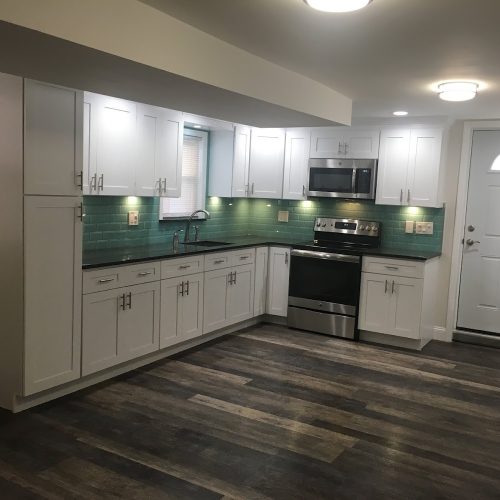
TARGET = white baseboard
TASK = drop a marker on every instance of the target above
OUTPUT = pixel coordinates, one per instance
(442, 334)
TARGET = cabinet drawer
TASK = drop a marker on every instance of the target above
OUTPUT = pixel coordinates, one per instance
(241, 257)
(219, 260)
(394, 267)
(172, 268)
(101, 279)
(140, 273)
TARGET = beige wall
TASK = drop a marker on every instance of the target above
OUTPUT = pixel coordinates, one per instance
(135, 31)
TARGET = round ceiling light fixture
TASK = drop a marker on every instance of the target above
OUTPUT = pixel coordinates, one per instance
(337, 5)
(457, 91)
(400, 113)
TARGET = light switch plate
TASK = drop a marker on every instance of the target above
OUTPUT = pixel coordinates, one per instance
(133, 218)
(409, 226)
(283, 216)
(424, 228)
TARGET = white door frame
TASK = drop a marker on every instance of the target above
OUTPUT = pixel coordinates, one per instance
(460, 214)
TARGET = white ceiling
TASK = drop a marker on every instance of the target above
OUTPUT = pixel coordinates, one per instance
(384, 57)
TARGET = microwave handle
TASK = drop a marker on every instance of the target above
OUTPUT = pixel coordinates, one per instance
(354, 179)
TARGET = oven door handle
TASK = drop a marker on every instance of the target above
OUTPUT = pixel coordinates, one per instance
(310, 254)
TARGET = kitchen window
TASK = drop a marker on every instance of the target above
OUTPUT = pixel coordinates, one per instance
(194, 175)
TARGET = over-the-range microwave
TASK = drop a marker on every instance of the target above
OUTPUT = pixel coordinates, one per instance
(342, 178)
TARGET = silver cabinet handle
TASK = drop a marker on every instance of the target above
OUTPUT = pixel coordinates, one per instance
(100, 184)
(230, 279)
(105, 280)
(181, 289)
(79, 180)
(246, 189)
(93, 183)
(159, 185)
(286, 257)
(392, 268)
(81, 213)
(253, 188)
(408, 198)
(392, 289)
(187, 287)
(401, 196)
(303, 191)
(184, 267)
(235, 277)
(244, 257)
(165, 185)
(129, 303)
(219, 261)
(386, 285)
(346, 147)
(122, 302)
(340, 149)
(145, 273)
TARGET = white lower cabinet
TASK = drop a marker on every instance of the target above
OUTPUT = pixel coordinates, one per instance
(181, 309)
(261, 274)
(228, 296)
(397, 297)
(119, 325)
(277, 285)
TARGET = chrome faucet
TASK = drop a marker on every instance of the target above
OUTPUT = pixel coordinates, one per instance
(188, 224)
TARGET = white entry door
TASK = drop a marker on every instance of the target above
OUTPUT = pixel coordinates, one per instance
(479, 303)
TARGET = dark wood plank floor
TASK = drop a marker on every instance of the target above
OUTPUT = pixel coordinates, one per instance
(270, 413)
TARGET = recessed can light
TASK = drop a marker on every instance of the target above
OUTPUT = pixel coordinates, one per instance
(337, 5)
(400, 113)
(457, 91)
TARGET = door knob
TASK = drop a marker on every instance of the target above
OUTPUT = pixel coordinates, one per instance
(471, 242)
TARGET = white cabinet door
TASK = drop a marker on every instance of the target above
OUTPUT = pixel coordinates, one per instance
(393, 167)
(375, 303)
(100, 330)
(424, 167)
(53, 136)
(215, 311)
(240, 294)
(89, 138)
(327, 142)
(139, 321)
(261, 272)
(267, 154)
(362, 143)
(190, 310)
(406, 305)
(159, 152)
(53, 291)
(169, 322)
(279, 271)
(114, 148)
(295, 173)
(241, 161)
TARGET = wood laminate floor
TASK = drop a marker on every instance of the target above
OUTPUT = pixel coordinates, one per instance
(270, 413)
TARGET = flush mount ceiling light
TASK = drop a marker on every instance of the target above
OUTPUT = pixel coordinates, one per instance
(457, 91)
(400, 113)
(337, 5)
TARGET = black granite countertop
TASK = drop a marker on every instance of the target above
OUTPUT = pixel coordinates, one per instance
(115, 256)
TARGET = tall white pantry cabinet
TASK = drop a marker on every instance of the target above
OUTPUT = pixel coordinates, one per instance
(41, 237)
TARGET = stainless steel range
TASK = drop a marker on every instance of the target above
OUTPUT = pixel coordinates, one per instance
(325, 276)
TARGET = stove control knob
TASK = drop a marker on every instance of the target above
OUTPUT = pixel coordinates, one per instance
(323, 225)
(368, 228)
(318, 224)
(361, 228)
(375, 229)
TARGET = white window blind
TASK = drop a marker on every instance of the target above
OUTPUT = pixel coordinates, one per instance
(193, 189)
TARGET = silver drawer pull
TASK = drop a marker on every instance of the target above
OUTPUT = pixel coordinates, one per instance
(392, 268)
(219, 261)
(145, 273)
(244, 257)
(106, 280)
(184, 267)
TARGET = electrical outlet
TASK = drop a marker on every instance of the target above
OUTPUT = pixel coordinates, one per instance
(283, 216)
(133, 218)
(425, 228)
(409, 226)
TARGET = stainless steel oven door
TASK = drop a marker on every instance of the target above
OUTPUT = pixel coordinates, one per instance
(326, 282)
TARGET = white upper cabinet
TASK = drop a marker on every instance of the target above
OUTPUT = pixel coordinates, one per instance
(267, 154)
(409, 167)
(52, 139)
(297, 143)
(342, 142)
(112, 141)
(159, 152)
(241, 162)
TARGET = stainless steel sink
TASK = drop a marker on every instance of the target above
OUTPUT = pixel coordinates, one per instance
(207, 243)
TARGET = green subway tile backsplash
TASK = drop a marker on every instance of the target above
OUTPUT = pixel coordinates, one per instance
(105, 224)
